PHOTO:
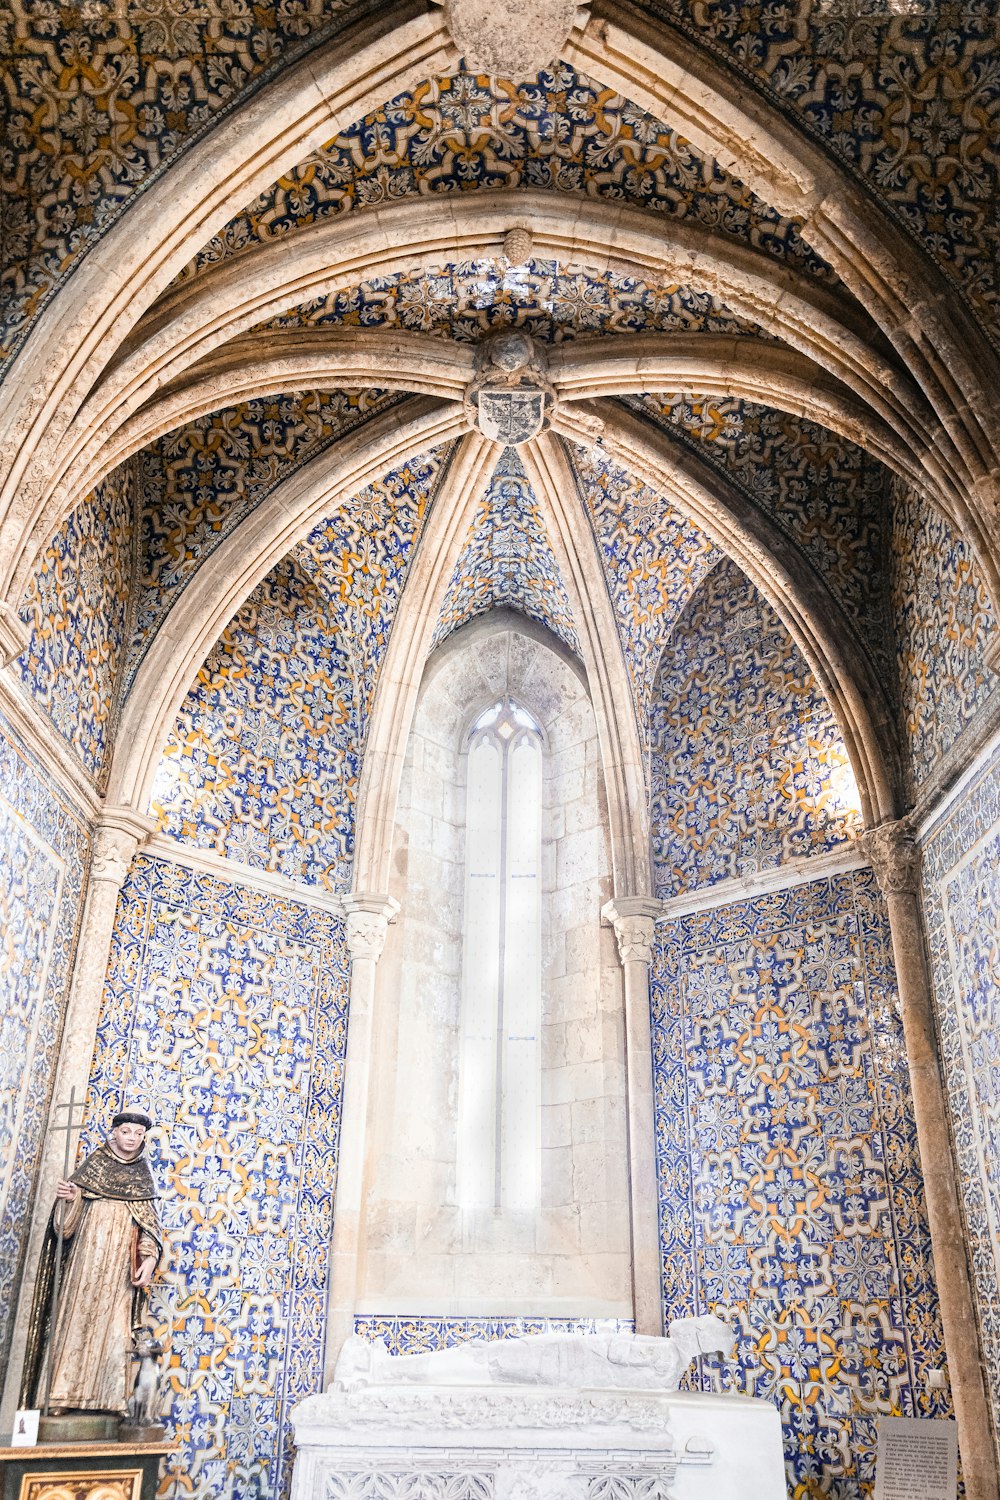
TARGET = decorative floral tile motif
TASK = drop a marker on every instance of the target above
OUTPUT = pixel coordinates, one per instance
(76, 607)
(507, 562)
(100, 98)
(420, 1334)
(907, 94)
(747, 766)
(263, 763)
(827, 494)
(555, 131)
(46, 849)
(791, 1194)
(961, 880)
(467, 300)
(653, 561)
(944, 622)
(225, 1014)
(199, 482)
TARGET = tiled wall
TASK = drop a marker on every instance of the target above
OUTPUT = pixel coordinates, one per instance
(45, 841)
(263, 763)
(507, 561)
(76, 608)
(961, 877)
(225, 1014)
(791, 1193)
(944, 623)
(747, 766)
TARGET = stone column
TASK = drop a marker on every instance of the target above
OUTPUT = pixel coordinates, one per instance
(895, 857)
(633, 918)
(368, 918)
(116, 839)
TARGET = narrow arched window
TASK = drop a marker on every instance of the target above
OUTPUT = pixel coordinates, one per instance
(499, 1154)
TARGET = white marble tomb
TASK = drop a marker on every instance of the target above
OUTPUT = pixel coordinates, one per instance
(511, 1437)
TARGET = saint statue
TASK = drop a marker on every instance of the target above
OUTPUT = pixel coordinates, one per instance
(111, 1245)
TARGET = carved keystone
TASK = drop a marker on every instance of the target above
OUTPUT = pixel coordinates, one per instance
(512, 40)
(510, 399)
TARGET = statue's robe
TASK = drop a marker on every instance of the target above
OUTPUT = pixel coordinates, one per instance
(107, 1233)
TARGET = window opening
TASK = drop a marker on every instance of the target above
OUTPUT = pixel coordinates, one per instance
(500, 1070)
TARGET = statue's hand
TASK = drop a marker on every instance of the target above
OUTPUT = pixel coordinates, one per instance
(68, 1190)
(144, 1275)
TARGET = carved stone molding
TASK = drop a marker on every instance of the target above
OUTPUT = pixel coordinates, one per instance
(512, 40)
(895, 857)
(118, 836)
(510, 399)
(634, 920)
(368, 918)
(14, 635)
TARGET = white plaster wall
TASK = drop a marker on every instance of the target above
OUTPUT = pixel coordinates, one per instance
(421, 1251)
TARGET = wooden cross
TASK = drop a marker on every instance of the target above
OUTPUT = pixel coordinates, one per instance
(72, 1105)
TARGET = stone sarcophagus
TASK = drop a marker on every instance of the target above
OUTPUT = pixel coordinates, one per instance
(524, 1440)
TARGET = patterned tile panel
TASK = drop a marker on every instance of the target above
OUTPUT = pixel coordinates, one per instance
(557, 130)
(827, 494)
(653, 561)
(961, 876)
(944, 622)
(45, 841)
(199, 482)
(420, 1334)
(747, 766)
(507, 561)
(466, 300)
(225, 1014)
(100, 98)
(906, 92)
(76, 607)
(263, 763)
(791, 1195)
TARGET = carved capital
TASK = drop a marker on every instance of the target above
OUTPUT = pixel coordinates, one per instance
(14, 635)
(117, 838)
(895, 857)
(634, 920)
(368, 917)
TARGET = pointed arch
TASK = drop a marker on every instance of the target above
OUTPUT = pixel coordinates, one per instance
(238, 564)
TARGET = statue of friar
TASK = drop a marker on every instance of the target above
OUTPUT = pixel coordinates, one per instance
(111, 1245)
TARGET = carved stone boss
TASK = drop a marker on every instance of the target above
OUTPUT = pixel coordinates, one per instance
(510, 399)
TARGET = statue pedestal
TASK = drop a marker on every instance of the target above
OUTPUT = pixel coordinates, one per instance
(87, 1471)
(535, 1443)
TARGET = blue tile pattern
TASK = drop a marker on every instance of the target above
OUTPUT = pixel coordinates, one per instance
(826, 494)
(961, 878)
(76, 608)
(420, 1334)
(556, 131)
(263, 763)
(199, 482)
(46, 849)
(225, 1014)
(653, 561)
(791, 1197)
(747, 766)
(945, 622)
(466, 300)
(507, 561)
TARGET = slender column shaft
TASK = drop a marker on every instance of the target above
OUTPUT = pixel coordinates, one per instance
(368, 918)
(633, 918)
(896, 860)
(116, 840)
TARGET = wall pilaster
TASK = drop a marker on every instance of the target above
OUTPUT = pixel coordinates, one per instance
(895, 857)
(368, 916)
(634, 919)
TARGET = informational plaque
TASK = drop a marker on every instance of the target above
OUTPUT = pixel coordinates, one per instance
(917, 1459)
